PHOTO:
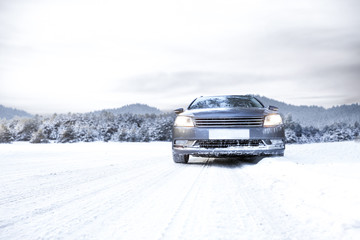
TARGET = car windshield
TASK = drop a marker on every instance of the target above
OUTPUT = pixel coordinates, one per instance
(226, 102)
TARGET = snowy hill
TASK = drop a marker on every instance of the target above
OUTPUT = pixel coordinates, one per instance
(9, 113)
(136, 108)
(316, 116)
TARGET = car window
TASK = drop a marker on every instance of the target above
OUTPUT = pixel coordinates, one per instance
(225, 102)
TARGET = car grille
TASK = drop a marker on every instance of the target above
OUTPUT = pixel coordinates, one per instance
(229, 122)
(228, 143)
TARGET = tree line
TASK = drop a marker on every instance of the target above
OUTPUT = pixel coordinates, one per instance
(107, 126)
(88, 127)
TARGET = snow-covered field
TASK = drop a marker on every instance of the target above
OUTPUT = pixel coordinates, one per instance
(135, 191)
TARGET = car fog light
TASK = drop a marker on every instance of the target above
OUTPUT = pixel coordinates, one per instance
(181, 142)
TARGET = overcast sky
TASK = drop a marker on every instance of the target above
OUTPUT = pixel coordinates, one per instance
(82, 55)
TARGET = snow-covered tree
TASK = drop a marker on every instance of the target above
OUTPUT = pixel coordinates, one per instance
(108, 126)
(25, 127)
(5, 134)
(67, 135)
(39, 137)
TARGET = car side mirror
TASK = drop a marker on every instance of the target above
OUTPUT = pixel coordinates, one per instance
(273, 108)
(179, 110)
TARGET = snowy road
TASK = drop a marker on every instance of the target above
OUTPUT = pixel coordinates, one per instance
(135, 191)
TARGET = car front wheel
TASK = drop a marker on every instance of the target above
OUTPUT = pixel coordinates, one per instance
(180, 158)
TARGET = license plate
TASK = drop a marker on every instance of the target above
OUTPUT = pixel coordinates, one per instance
(229, 134)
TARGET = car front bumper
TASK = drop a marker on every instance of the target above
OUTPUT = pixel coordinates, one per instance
(270, 141)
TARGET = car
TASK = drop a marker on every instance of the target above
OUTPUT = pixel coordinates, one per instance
(229, 125)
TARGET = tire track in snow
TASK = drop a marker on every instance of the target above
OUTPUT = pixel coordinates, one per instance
(150, 197)
(184, 208)
(107, 184)
(149, 215)
(122, 200)
(225, 200)
(217, 210)
(51, 182)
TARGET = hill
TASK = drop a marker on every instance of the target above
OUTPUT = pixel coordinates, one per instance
(136, 108)
(9, 113)
(314, 115)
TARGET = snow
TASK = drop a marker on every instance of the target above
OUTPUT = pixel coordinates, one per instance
(134, 191)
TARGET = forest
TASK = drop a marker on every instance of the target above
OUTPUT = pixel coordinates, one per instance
(108, 126)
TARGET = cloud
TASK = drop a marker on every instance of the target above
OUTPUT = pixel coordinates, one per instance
(165, 53)
(192, 81)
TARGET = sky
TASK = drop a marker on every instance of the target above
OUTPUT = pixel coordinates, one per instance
(84, 55)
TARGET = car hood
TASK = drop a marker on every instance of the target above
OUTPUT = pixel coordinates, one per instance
(227, 112)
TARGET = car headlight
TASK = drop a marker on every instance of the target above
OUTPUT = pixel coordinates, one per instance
(183, 121)
(272, 120)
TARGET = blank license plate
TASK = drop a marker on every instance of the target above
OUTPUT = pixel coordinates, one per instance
(229, 134)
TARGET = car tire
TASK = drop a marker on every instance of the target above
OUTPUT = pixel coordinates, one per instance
(180, 158)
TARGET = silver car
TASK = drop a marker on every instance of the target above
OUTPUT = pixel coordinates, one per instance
(230, 125)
